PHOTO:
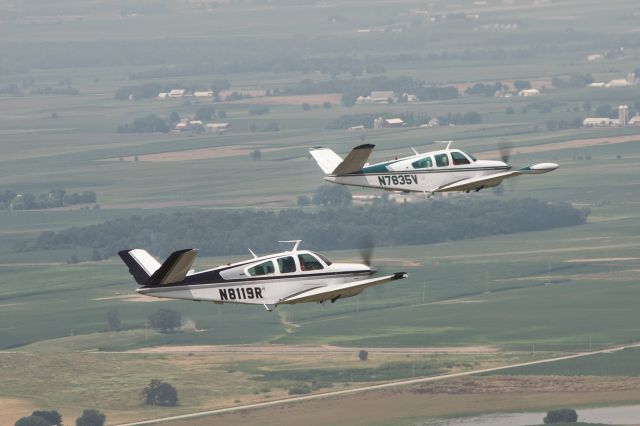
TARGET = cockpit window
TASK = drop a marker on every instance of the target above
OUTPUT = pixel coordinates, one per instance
(286, 265)
(309, 262)
(324, 259)
(471, 156)
(442, 160)
(423, 163)
(459, 158)
(264, 268)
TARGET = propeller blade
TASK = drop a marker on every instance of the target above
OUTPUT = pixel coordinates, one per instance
(506, 149)
(365, 246)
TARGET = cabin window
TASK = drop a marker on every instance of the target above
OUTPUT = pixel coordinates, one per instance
(324, 259)
(309, 263)
(286, 265)
(442, 160)
(264, 268)
(423, 163)
(459, 158)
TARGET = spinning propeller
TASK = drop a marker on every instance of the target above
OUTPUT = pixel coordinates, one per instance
(506, 149)
(365, 246)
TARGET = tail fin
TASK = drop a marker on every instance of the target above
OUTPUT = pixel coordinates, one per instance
(148, 271)
(141, 264)
(355, 161)
(331, 163)
(326, 159)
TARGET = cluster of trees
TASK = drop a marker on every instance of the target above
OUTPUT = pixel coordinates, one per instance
(149, 124)
(159, 393)
(10, 199)
(485, 89)
(573, 80)
(258, 110)
(562, 415)
(89, 417)
(67, 90)
(490, 89)
(165, 320)
(141, 91)
(231, 232)
(325, 105)
(332, 195)
(564, 124)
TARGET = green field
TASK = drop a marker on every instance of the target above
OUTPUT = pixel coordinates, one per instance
(520, 295)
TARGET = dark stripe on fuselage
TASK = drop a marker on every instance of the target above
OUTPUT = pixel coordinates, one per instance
(210, 278)
(418, 171)
(237, 283)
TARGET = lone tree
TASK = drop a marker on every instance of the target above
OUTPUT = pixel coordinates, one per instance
(165, 320)
(363, 355)
(53, 417)
(32, 421)
(91, 417)
(160, 393)
(563, 415)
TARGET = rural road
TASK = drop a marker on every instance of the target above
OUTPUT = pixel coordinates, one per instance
(372, 387)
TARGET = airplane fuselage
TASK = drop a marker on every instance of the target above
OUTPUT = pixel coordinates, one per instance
(268, 290)
(401, 176)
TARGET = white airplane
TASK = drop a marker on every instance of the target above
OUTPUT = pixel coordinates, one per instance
(444, 170)
(289, 277)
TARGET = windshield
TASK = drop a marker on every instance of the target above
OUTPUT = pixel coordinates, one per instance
(324, 258)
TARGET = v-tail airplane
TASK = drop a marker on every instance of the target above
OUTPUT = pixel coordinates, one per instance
(442, 170)
(289, 277)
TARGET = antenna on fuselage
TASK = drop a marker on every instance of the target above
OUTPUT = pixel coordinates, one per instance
(252, 253)
(415, 151)
(295, 245)
(447, 142)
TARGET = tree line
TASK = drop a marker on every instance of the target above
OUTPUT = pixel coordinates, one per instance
(12, 200)
(231, 232)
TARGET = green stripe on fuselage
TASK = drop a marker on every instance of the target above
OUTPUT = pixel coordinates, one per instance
(377, 168)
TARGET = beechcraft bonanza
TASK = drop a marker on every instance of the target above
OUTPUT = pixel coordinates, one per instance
(289, 277)
(444, 170)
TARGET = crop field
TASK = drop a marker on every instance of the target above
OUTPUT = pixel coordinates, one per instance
(486, 301)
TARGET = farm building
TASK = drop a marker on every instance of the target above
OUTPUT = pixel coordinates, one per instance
(177, 93)
(529, 92)
(204, 94)
(216, 127)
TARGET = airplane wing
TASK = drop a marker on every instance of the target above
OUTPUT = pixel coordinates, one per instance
(496, 178)
(355, 161)
(320, 294)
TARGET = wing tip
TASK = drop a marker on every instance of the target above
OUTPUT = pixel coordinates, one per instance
(365, 146)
